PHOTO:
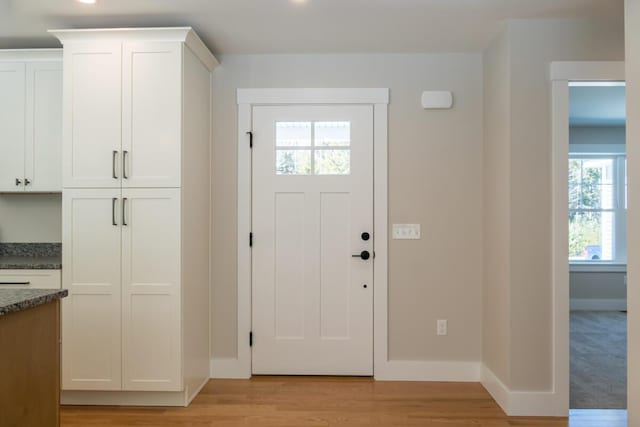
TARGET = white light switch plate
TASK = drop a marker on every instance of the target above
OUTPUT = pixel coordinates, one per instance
(406, 231)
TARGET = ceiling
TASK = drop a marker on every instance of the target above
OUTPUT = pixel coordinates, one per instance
(298, 26)
(597, 106)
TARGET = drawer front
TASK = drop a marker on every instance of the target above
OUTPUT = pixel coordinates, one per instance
(34, 279)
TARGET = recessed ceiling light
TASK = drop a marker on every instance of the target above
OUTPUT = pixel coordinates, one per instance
(87, 1)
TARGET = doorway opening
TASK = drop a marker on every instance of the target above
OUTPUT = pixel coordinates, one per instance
(597, 236)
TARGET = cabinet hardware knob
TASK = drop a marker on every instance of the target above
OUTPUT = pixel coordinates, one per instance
(27, 181)
(18, 181)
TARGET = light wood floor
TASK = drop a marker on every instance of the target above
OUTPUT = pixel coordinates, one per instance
(322, 401)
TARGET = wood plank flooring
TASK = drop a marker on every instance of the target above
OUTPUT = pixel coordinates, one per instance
(321, 402)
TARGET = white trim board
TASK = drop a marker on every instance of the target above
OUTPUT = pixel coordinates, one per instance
(602, 304)
(561, 73)
(418, 370)
(522, 403)
(247, 98)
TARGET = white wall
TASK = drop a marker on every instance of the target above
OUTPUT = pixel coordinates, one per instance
(497, 201)
(632, 39)
(532, 46)
(597, 135)
(435, 179)
(26, 218)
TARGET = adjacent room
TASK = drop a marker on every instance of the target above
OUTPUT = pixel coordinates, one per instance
(319, 213)
(598, 245)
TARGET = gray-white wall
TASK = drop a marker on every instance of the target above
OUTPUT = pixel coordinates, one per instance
(435, 179)
(28, 218)
(525, 276)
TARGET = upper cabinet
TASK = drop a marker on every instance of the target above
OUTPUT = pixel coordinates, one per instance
(31, 120)
(133, 137)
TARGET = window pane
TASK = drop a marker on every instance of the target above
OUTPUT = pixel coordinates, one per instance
(575, 196)
(591, 236)
(293, 134)
(332, 134)
(293, 162)
(597, 196)
(332, 162)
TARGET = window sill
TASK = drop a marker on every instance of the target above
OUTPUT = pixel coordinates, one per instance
(601, 267)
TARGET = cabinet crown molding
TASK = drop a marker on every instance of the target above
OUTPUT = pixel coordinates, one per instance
(29, 55)
(184, 35)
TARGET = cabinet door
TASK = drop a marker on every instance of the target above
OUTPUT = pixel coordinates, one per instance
(92, 115)
(91, 337)
(12, 105)
(151, 328)
(43, 147)
(152, 111)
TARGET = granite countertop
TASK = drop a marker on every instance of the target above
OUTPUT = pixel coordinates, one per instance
(30, 256)
(13, 300)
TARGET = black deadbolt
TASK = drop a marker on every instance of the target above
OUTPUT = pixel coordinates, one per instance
(365, 236)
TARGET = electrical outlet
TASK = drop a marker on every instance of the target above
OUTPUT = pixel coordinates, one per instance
(441, 328)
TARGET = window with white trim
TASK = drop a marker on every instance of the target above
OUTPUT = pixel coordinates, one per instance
(597, 208)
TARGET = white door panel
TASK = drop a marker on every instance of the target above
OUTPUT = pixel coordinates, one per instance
(91, 313)
(43, 148)
(12, 126)
(312, 313)
(151, 290)
(93, 120)
(152, 112)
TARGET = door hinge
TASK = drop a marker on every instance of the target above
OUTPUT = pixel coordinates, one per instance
(250, 240)
(250, 339)
(250, 139)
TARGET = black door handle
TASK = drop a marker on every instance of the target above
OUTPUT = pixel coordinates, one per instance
(365, 255)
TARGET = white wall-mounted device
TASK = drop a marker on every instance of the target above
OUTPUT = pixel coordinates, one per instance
(437, 99)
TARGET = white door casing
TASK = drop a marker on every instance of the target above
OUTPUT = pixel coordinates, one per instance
(378, 98)
(312, 300)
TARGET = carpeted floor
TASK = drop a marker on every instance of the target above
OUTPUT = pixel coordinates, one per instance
(598, 360)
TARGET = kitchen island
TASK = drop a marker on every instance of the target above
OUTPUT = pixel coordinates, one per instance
(30, 357)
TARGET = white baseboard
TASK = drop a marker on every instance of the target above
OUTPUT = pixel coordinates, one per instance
(409, 370)
(228, 368)
(524, 403)
(578, 304)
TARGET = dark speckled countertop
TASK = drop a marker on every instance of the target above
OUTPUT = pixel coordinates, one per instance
(30, 256)
(12, 300)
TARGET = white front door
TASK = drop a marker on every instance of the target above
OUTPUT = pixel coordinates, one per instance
(312, 299)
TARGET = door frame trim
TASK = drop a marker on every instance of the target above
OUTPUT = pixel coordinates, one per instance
(561, 73)
(379, 99)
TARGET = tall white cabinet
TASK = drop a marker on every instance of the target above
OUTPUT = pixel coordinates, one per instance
(31, 120)
(136, 215)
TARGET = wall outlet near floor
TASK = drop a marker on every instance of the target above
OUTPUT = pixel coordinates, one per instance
(441, 328)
